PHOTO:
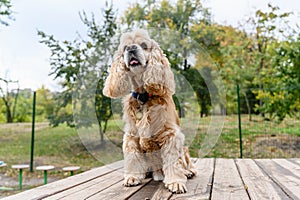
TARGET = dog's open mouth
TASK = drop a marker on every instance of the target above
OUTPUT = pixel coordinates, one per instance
(134, 62)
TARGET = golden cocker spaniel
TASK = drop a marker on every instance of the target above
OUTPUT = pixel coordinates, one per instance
(153, 140)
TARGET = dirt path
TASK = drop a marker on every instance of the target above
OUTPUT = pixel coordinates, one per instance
(22, 127)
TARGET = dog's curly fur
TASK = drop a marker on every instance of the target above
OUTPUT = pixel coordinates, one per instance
(153, 140)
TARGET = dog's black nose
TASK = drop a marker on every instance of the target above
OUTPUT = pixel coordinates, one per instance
(131, 48)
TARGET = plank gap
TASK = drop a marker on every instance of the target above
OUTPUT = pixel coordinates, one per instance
(212, 179)
(239, 172)
(144, 185)
(199, 187)
(268, 169)
(227, 182)
(259, 185)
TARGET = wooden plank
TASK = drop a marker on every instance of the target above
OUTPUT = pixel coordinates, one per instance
(259, 186)
(294, 168)
(295, 161)
(287, 180)
(91, 187)
(118, 191)
(264, 179)
(154, 190)
(161, 193)
(65, 184)
(199, 187)
(227, 183)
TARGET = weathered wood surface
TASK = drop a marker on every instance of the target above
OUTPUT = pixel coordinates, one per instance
(217, 179)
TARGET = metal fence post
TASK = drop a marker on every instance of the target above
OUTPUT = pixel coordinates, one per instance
(239, 117)
(32, 131)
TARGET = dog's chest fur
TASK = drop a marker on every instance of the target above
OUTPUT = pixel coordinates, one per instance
(149, 120)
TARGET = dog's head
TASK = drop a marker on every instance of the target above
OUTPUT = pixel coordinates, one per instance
(140, 56)
(136, 47)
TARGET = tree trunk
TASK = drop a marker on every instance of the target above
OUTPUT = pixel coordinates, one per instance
(261, 66)
(10, 114)
(15, 104)
(101, 133)
(9, 118)
(204, 110)
(181, 112)
(248, 106)
(261, 103)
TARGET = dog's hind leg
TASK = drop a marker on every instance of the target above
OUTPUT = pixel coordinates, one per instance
(190, 170)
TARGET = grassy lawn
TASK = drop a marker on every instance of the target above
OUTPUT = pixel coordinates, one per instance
(59, 146)
(62, 146)
(261, 139)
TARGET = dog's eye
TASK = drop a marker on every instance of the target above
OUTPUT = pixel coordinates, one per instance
(144, 45)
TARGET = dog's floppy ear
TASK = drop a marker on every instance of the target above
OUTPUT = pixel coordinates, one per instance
(117, 83)
(158, 77)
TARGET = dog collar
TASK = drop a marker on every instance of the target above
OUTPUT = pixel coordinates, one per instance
(141, 97)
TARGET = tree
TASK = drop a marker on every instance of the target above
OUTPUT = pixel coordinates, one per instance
(266, 30)
(5, 11)
(281, 95)
(247, 59)
(237, 62)
(9, 99)
(23, 111)
(79, 63)
(44, 104)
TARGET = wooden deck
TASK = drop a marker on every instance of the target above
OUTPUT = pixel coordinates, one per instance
(217, 179)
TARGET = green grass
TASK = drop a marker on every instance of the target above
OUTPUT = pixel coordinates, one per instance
(261, 139)
(62, 146)
(59, 146)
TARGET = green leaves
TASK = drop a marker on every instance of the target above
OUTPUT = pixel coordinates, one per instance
(266, 68)
(281, 92)
(182, 22)
(81, 65)
(5, 11)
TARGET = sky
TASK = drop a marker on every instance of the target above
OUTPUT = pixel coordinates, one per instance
(23, 58)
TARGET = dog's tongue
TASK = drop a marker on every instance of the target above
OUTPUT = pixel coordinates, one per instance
(134, 62)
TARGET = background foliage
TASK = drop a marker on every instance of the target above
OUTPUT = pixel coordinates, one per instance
(262, 56)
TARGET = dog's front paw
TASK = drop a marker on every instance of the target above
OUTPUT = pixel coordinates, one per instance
(176, 188)
(131, 181)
